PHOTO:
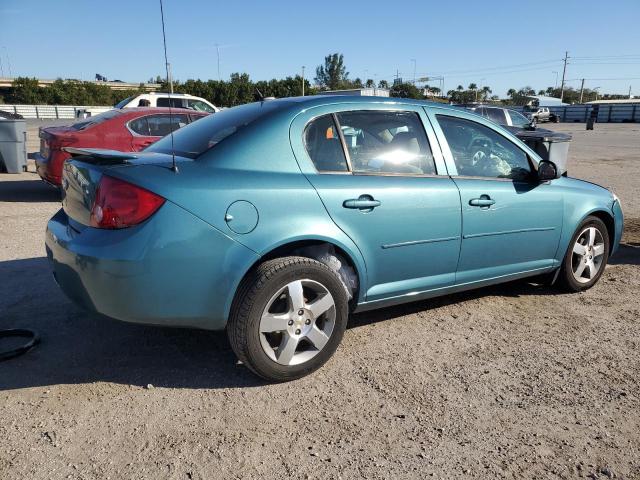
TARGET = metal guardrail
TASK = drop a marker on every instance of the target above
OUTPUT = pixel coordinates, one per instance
(51, 111)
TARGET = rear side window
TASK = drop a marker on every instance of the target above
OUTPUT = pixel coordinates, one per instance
(170, 102)
(139, 126)
(161, 125)
(496, 115)
(386, 142)
(323, 145)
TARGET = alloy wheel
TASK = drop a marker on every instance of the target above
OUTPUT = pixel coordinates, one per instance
(587, 255)
(297, 322)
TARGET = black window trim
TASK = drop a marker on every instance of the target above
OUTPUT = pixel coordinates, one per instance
(345, 150)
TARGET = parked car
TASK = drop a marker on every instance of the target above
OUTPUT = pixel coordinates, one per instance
(174, 100)
(542, 114)
(510, 119)
(282, 217)
(127, 130)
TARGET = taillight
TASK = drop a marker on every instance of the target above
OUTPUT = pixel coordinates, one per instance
(119, 204)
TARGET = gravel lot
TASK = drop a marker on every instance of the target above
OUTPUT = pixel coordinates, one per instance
(513, 381)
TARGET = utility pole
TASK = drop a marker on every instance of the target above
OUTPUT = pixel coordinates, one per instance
(581, 90)
(555, 85)
(218, 55)
(303, 80)
(564, 71)
(170, 78)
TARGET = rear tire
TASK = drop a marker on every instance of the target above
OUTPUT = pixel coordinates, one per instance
(586, 256)
(288, 318)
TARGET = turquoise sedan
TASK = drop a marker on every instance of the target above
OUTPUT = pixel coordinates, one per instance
(275, 220)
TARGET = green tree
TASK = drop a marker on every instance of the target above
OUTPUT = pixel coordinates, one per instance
(383, 84)
(370, 83)
(25, 90)
(406, 90)
(333, 74)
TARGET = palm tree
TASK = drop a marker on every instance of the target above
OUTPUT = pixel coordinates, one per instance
(485, 92)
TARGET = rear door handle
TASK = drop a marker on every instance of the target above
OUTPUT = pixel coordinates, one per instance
(363, 202)
(483, 201)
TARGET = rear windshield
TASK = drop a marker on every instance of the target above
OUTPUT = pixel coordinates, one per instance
(96, 119)
(198, 137)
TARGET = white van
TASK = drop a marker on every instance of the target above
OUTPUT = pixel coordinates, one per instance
(163, 99)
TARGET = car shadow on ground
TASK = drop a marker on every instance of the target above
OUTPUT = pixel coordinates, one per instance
(627, 254)
(81, 347)
(28, 191)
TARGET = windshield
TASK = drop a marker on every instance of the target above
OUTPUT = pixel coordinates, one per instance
(518, 120)
(198, 137)
(96, 119)
(122, 103)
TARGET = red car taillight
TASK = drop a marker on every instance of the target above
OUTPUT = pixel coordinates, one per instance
(119, 204)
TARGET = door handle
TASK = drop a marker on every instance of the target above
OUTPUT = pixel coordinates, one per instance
(483, 201)
(363, 202)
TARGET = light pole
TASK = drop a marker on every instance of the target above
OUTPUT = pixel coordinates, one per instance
(595, 89)
(6, 52)
(414, 70)
(303, 80)
(555, 85)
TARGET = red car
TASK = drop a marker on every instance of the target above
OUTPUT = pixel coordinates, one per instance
(126, 130)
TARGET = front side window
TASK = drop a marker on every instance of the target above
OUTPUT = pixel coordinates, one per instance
(519, 120)
(479, 151)
(199, 106)
(323, 145)
(386, 142)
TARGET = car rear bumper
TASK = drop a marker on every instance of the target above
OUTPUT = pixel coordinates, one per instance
(172, 270)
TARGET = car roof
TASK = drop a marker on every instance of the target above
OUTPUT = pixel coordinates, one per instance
(299, 103)
(139, 111)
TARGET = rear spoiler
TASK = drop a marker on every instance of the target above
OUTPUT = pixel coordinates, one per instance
(100, 156)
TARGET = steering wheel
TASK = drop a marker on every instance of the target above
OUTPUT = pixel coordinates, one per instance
(482, 148)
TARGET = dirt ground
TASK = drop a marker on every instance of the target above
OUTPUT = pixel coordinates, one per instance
(514, 381)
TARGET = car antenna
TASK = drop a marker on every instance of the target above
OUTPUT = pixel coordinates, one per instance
(258, 96)
(174, 167)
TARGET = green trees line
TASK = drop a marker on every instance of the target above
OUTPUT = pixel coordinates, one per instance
(240, 89)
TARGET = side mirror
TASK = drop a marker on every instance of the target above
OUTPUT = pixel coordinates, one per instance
(547, 171)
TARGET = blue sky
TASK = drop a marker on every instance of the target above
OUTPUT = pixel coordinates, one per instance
(493, 43)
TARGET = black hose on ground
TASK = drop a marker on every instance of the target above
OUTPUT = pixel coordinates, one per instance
(32, 337)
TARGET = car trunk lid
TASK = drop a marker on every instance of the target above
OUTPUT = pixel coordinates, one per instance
(82, 174)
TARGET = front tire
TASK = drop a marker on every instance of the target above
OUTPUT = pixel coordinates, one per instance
(586, 256)
(288, 318)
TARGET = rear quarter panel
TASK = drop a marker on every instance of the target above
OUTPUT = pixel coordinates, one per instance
(255, 166)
